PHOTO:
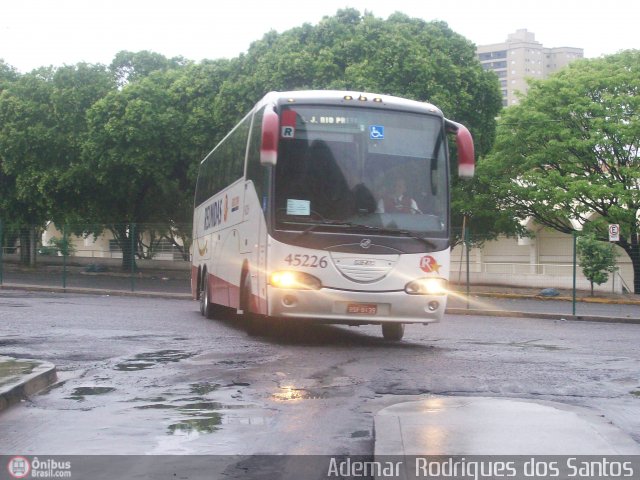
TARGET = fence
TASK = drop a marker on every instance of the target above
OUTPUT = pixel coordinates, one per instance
(151, 257)
(145, 257)
(545, 265)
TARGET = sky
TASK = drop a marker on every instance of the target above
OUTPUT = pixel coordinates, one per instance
(35, 33)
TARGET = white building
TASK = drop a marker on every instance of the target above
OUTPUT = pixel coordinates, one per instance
(521, 57)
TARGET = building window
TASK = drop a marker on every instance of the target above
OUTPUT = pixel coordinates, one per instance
(494, 65)
(492, 55)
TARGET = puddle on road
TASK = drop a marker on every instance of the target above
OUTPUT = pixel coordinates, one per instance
(204, 417)
(204, 388)
(80, 393)
(527, 344)
(291, 393)
(199, 415)
(152, 399)
(205, 424)
(144, 361)
(155, 406)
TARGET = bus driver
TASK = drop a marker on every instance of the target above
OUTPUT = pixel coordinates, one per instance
(398, 201)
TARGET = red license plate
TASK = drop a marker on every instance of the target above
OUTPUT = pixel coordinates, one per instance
(362, 308)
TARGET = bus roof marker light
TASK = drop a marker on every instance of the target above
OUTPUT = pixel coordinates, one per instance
(362, 98)
(377, 100)
(348, 97)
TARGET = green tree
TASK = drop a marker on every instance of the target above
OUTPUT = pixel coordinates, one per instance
(597, 259)
(134, 164)
(8, 74)
(570, 151)
(129, 67)
(42, 123)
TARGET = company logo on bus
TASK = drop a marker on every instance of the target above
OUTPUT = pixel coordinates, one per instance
(429, 264)
(213, 214)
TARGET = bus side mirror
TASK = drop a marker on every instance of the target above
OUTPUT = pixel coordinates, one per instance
(269, 142)
(466, 155)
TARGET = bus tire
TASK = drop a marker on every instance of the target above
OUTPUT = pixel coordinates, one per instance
(256, 325)
(206, 307)
(393, 331)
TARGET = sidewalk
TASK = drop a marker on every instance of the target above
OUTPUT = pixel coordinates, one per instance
(507, 428)
(20, 378)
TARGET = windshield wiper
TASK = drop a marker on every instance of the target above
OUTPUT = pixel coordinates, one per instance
(382, 230)
(407, 233)
(329, 223)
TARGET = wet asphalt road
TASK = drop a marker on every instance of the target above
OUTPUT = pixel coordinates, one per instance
(152, 376)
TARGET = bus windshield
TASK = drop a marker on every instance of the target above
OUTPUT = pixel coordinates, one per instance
(361, 168)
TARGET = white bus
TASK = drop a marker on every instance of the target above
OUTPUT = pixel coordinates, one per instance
(328, 206)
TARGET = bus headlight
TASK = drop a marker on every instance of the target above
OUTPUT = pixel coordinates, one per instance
(427, 286)
(295, 280)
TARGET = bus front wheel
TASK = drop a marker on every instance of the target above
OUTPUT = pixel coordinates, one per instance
(255, 324)
(393, 331)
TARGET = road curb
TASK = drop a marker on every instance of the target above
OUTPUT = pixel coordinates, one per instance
(549, 316)
(96, 291)
(451, 311)
(27, 377)
(607, 301)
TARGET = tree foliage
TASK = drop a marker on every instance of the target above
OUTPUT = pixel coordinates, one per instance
(570, 151)
(42, 128)
(127, 139)
(597, 259)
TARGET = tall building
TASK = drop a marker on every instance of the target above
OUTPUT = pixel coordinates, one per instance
(521, 57)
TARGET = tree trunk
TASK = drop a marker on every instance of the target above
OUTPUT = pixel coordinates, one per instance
(634, 253)
(633, 250)
(635, 261)
(126, 237)
(33, 243)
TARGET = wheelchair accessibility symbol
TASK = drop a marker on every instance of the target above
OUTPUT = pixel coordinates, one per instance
(376, 132)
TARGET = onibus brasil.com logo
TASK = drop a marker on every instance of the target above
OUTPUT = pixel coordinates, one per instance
(21, 467)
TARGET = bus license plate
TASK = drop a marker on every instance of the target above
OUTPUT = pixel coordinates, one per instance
(362, 308)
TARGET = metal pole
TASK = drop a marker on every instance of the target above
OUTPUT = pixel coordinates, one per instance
(1, 248)
(132, 233)
(573, 303)
(466, 243)
(464, 229)
(64, 257)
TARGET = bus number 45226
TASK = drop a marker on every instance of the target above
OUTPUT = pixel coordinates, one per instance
(312, 261)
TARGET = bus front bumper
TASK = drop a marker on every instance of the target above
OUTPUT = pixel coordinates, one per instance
(339, 306)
